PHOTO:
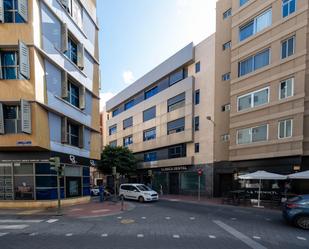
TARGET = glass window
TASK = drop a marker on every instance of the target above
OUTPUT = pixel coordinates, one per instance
(112, 130)
(244, 136)
(150, 156)
(46, 181)
(288, 7)
(149, 114)
(24, 187)
(225, 137)
(177, 151)
(176, 76)
(73, 94)
(261, 59)
(227, 13)
(153, 91)
(197, 123)
(246, 31)
(253, 99)
(11, 14)
(286, 88)
(196, 147)
(149, 134)
(77, 13)
(252, 135)
(115, 112)
(44, 169)
(242, 2)
(176, 102)
(127, 141)
(197, 67)
(226, 108)
(285, 128)
(259, 133)
(288, 47)
(226, 76)
(23, 168)
(12, 121)
(197, 97)
(73, 134)
(127, 123)
(9, 65)
(226, 45)
(246, 66)
(129, 104)
(71, 53)
(113, 143)
(176, 126)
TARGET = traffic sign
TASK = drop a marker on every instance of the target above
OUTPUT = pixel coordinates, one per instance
(200, 172)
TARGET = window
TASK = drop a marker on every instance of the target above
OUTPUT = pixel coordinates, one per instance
(196, 147)
(71, 52)
(288, 7)
(226, 76)
(197, 67)
(12, 120)
(112, 130)
(73, 134)
(176, 76)
(12, 14)
(226, 45)
(149, 134)
(115, 112)
(177, 151)
(113, 143)
(149, 114)
(74, 9)
(285, 128)
(127, 141)
(73, 94)
(225, 137)
(226, 108)
(127, 123)
(176, 126)
(197, 97)
(150, 156)
(129, 104)
(288, 47)
(254, 63)
(153, 91)
(176, 102)
(242, 2)
(227, 13)
(252, 135)
(286, 88)
(197, 123)
(253, 99)
(9, 65)
(256, 25)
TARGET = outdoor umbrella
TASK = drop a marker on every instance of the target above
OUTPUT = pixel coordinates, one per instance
(299, 175)
(261, 175)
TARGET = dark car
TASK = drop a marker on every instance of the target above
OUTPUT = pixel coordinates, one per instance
(296, 211)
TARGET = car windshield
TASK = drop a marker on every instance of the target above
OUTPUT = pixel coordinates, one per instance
(143, 188)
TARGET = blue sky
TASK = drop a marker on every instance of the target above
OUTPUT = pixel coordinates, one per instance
(137, 35)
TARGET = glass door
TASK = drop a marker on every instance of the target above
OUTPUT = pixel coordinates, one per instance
(6, 181)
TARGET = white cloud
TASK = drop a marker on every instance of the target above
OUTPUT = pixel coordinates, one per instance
(104, 97)
(128, 77)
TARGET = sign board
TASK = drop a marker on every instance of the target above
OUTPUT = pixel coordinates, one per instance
(200, 172)
(177, 168)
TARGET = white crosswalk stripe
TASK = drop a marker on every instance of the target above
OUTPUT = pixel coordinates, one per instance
(2, 234)
(13, 227)
(51, 220)
(20, 221)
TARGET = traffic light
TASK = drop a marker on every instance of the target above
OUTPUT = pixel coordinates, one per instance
(55, 165)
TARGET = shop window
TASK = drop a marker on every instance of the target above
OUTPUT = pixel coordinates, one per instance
(44, 169)
(24, 187)
(46, 181)
(189, 181)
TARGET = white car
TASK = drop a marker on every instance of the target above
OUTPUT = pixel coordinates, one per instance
(138, 192)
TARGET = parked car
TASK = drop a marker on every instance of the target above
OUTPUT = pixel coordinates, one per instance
(296, 211)
(138, 192)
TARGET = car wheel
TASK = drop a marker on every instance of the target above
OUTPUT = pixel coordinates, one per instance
(141, 199)
(302, 222)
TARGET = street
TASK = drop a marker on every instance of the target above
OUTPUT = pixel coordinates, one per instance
(164, 224)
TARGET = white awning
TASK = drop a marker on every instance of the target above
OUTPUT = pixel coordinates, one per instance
(299, 175)
(262, 175)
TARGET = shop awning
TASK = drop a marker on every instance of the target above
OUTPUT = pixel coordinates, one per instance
(262, 175)
(299, 175)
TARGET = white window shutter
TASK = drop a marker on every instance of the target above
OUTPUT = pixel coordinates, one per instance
(64, 127)
(81, 136)
(25, 116)
(82, 97)
(1, 11)
(80, 56)
(64, 37)
(64, 84)
(1, 119)
(23, 9)
(24, 63)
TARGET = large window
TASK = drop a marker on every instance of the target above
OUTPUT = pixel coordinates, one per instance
(115, 112)
(176, 102)
(71, 53)
(9, 65)
(153, 91)
(129, 104)
(12, 120)
(176, 126)
(177, 151)
(11, 12)
(286, 88)
(149, 134)
(256, 25)
(254, 62)
(73, 134)
(288, 7)
(127, 141)
(177, 76)
(127, 123)
(150, 156)
(149, 114)
(253, 99)
(285, 128)
(288, 47)
(252, 135)
(112, 130)
(73, 94)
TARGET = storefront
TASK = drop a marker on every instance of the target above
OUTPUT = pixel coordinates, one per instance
(28, 176)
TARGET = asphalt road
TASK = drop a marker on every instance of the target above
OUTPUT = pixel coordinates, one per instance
(163, 224)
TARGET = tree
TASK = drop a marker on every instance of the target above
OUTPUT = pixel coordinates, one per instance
(120, 157)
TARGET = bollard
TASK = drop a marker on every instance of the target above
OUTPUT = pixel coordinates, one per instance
(122, 207)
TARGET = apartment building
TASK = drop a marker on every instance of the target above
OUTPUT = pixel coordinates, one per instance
(49, 97)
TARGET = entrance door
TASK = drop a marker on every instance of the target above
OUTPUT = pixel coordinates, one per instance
(174, 183)
(226, 183)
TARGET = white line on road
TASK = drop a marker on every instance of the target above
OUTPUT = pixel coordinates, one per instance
(104, 235)
(192, 218)
(140, 236)
(69, 234)
(100, 211)
(176, 236)
(144, 218)
(212, 236)
(251, 243)
(301, 238)
(2, 234)
(20, 221)
(233, 218)
(119, 217)
(51, 220)
(256, 237)
(168, 218)
(33, 234)
(12, 227)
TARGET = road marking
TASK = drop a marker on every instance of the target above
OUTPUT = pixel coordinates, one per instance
(20, 221)
(104, 235)
(251, 243)
(140, 235)
(301, 238)
(76, 209)
(119, 217)
(2, 234)
(173, 199)
(192, 218)
(256, 237)
(22, 226)
(268, 219)
(100, 210)
(69, 234)
(51, 220)
(212, 236)
(233, 218)
(33, 234)
(168, 218)
(30, 212)
(144, 218)
(176, 236)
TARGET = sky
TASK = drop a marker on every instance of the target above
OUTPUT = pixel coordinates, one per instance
(137, 35)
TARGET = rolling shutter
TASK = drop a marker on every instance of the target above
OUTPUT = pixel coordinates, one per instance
(64, 125)
(64, 84)
(24, 64)
(1, 119)
(25, 116)
(82, 97)
(80, 56)
(81, 136)
(1, 11)
(64, 37)
(23, 9)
